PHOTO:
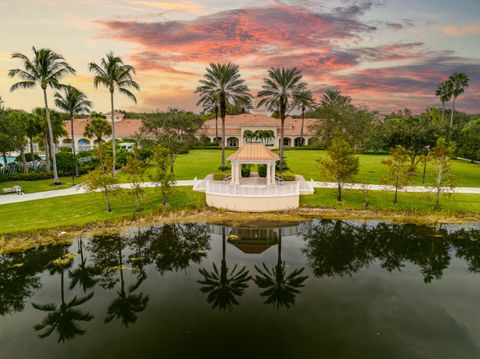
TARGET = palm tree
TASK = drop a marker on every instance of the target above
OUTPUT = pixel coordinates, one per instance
(303, 100)
(444, 92)
(458, 82)
(114, 75)
(224, 81)
(210, 103)
(222, 285)
(97, 127)
(63, 318)
(83, 275)
(277, 95)
(73, 102)
(249, 135)
(334, 97)
(279, 287)
(45, 69)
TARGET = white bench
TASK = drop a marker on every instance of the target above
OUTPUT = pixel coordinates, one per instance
(15, 189)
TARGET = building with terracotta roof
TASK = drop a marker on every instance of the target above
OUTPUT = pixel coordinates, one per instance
(124, 129)
(236, 126)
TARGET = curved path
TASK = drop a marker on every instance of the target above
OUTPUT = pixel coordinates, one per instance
(79, 189)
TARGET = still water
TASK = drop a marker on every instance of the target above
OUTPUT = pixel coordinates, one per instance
(329, 289)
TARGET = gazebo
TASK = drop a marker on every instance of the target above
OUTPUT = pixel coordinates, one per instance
(255, 154)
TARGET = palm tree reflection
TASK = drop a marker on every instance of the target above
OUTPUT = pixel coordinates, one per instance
(223, 286)
(280, 287)
(84, 275)
(63, 318)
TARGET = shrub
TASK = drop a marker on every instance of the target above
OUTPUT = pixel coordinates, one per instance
(287, 175)
(122, 156)
(145, 154)
(262, 170)
(245, 170)
(228, 167)
(220, 176)
(65, 162)
(28, 157)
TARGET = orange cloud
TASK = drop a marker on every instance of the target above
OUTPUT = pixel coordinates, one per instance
(466, 30)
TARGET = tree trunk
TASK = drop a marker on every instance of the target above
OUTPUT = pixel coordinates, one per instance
(223, 143)
(437, 199)
(24, 161)
(216, 126)
(282, 128)
(339, 193)
(114, 150)
(4, 154)
(47, 153)
(443, 111)
(395, 199)
(74, 153)
(62, 287)
(32, 154)
(301, 128)
(56, 180)
(451, 117)
(107, 199)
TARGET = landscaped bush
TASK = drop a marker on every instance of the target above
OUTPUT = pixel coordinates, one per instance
(220, 176)
(245, 170)
(228, 167)
(145, 154)
(262, 170)
(65, 162)
(32, 176)
(287, 175)
(28, 157)
(122, 156)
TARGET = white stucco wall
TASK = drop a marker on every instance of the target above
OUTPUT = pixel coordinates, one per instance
(254, 203)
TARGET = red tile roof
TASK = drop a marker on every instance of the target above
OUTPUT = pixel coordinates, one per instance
(124, 128)
(254, 152)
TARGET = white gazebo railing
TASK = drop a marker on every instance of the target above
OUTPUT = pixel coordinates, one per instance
(233, 190)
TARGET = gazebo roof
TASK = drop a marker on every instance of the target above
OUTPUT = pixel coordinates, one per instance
(254, 152)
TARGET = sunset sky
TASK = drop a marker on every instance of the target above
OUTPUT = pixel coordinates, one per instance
(387, 54)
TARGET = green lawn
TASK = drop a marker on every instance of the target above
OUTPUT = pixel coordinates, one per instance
(81, 209)
(40, 185)
(371, 168)
(379, 200)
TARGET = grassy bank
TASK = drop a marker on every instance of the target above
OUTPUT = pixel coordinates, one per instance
(79, 210)
(40, 185)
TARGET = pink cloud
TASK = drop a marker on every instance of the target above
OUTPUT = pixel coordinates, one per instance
(465, 30)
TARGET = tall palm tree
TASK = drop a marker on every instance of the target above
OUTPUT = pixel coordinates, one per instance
(73, 102)
(458, 82)
(210, 103)
(303, 100)
(113, 74)
(45, 69)
(224, 81)
(280, 287)
(277, 95)
(222, 285)
(444, 92)
(335, 97)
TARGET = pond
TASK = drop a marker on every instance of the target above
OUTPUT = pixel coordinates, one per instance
(315, 289)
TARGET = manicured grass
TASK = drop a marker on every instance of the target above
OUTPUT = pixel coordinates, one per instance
(81, 209)
(379, 200)
(372, 169)
(40, 185)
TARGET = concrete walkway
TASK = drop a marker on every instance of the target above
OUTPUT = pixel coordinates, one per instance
(79, 189)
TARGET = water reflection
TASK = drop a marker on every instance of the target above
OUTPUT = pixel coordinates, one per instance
(115, 281)
(64, 318)
(221, 286)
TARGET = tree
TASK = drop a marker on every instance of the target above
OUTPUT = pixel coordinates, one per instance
(18, 121)
(278, 93)
(469, 145)
(222, 285)
(457, 84)
(334, 98)
(102, 178)
(163, 176)
(441, 156)
(113, 74)
(11, 132)
(175, 130)
(224, 81)
(249, 135)
(135, 171)
(84, 275)
(97, 127)
(303, 100)
(45, 69)
(73, 102)
(33, 128)
(399, 169)
(341, 165)
(444, 93)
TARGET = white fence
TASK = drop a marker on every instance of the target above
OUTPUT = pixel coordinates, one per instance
(215, 187)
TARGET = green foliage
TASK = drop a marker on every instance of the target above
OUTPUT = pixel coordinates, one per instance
(145, 154)
(245, 170)
(221, 175)
(135, 171)
(287, 175)
(262, 170)
(469, 144)
(163, 172)
(97, 127)
(441, 156)
(65, 162)
(341, 165)
(399, 169)
(28, 157)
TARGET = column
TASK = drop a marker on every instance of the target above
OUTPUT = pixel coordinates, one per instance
(232, 164)
(273, 172)
(269, 179)
(237, 173)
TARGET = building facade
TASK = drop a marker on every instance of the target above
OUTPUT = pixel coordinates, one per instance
(238, 125)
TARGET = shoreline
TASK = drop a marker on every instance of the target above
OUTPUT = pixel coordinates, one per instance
(22, 241)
